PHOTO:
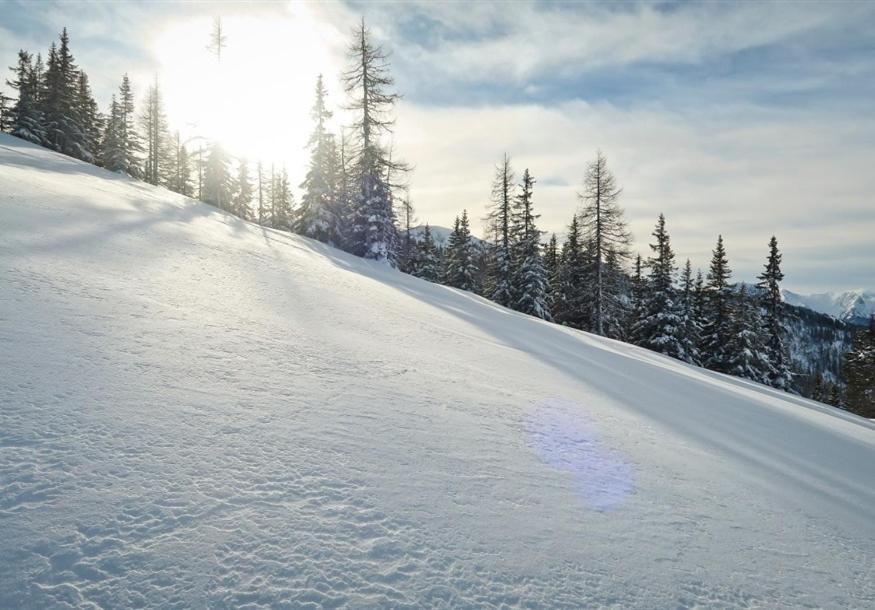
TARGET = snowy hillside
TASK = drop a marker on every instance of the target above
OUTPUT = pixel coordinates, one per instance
(198, 412)
(853, 306)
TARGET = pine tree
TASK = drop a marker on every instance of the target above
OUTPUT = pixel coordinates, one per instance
(570, 294)
(427, 257)
(661, 328)
(217, 178)
(745, 352)
(604, 231)
(373, 233)
(860, 373)
(498, 219)
(717, 328)
(459, 270)
(316, 214)
(26, 118)
(772, 303)
(241, 203)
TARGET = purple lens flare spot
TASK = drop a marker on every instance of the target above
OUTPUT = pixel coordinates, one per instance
(565, 437)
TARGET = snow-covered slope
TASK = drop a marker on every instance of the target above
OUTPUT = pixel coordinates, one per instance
(197, 412)
(852, 306)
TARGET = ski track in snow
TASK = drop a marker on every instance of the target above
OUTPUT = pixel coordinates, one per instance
(199, 413)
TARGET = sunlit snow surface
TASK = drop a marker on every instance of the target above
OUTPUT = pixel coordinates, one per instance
(562, 434)
(196, 412)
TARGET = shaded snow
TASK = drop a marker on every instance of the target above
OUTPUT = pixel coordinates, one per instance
(197, 412)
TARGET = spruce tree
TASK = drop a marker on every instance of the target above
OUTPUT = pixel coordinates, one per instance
(661, 327)
(5, 113)
(459, 270)
(860, 373)
(772, 303)
(745, 353)
(690, 313)
(551, 263)
(427, 257)
(717, 328)
(570, 305)
(60, 86)
(26, 120)
(178, 171)
(637, 309)
(261, 213)
(499, 219)
(121, 144)
(88, 117)
(316, 215)
(529, 283)
(605, 233)
(373, 233)
(283, 203)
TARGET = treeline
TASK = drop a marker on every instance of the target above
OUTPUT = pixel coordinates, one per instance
(354, 194)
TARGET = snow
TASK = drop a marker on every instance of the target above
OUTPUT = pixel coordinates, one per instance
(854, 306)
(198, 412)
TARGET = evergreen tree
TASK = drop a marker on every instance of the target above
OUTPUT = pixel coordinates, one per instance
(261, 213)
(637, 310)
(5, 113)
(745, 353)
(529, 284)
(551, 263)
(121, 145)
(427, 257)
(88, 117)
(241, 203)
(860, 373)
(373, 233)
(604, 231)
(570, 292)
(178, 172)
(283, 203)
(772, 303)
(661, 328)
(63, 131)
(459, 270)
(407, 260)
(217, 178)
(717, 328)
(690, 313)
(499, 219)
(26, 118)
(316, 213)
(154, 125)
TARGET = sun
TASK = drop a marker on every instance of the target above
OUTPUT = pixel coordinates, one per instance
(255, 101)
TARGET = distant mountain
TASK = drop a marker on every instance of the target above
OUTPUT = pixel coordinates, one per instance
(851, 306)
(441, 235)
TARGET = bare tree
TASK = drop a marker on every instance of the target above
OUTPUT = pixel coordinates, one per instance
(605, 233)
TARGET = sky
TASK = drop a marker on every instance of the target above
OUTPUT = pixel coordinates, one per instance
(745, 119)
